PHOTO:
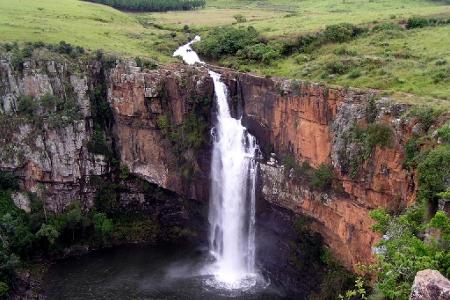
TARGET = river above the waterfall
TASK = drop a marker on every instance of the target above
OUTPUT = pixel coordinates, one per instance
(141, 272)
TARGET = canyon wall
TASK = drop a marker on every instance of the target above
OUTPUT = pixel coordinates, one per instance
(50, 151)
(160, 132)
(311, 123)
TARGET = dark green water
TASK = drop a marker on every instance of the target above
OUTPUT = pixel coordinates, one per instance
(142, 272)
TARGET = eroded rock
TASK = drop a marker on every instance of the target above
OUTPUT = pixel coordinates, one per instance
(430, 285)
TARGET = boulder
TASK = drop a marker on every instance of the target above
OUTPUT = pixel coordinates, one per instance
(430, 285)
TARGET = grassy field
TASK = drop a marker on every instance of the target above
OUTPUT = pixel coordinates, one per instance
(289, 17)
(86, 24)
(412, 61)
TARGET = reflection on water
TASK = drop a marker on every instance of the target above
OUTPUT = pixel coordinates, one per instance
(142, 272)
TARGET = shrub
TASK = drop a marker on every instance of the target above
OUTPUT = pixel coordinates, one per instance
(240, 18)
(386, 26)
(371, 109)
(403, 253)
(434, 171)
(103, 226)
(322, 178)
(444, 133)
(354, 73)
(440, 75)
(378, 135)
(336, 67)
(48, 232)
(107, 199)
(163, 124)
(441, 62)
(98, 144)
(27, 106)
(382, 219)
(260, 53)
(224, 41)
(416, 22)
(340, 33)
(412, 150)
(425, 115)
(146, 63)
(4, 289)
(345, 51)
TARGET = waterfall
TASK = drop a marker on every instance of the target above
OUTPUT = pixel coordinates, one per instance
(233, 180)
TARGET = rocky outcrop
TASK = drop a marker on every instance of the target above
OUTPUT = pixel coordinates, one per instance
(48, 154)
(139, 100)
(311, 123)
(430, 285)
(157, 117)
(50, 151)
(344, 225)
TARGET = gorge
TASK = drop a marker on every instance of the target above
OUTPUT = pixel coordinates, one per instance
(159, 127)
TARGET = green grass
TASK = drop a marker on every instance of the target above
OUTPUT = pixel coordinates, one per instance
(395, 61)
(290, 17)
(85, 24)
(410, 61)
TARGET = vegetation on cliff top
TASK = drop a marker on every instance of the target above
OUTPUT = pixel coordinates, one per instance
(389, 57)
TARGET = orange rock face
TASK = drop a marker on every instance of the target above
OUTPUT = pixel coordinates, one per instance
(306, 120)
(138, 100)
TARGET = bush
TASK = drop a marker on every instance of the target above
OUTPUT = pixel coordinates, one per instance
(98, 144)
(382, 219)
(403, 253)
(336, 67)
(27, 106)
(412, 151)
(4, 289)
(416, 22)
(146, 63)
(434, 171)
(107, 199)
(444, 133)
(386, 26)
(259, 53)
(378, 135)
(425, 115)
(354, 73)
(224, 41)
(322, 178)
(340, 33)
(240, 18)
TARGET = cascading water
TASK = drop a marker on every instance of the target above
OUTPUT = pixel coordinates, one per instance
(233, 179)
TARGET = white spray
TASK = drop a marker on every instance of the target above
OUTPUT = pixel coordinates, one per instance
(233, 179)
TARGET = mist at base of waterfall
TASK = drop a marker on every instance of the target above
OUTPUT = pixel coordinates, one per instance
(146, 272)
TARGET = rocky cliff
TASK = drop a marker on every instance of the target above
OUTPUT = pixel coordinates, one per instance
(56, 154)
(313, 124)
(154, 124)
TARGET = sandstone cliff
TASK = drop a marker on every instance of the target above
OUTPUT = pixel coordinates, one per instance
(311, 123)
(160, 132)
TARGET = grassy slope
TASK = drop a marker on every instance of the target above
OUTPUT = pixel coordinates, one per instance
(286, 17)
(408, 58)
(100, 27)
(404, 61)
(86, 24)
